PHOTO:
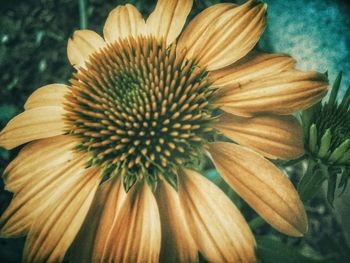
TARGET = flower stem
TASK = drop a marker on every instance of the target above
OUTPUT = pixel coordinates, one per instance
(293, 162)
(83, 14)
(312, 180)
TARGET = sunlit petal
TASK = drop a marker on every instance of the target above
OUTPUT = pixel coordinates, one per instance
(262, 186)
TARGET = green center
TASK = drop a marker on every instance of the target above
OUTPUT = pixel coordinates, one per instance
(141, 110)
(337, 119)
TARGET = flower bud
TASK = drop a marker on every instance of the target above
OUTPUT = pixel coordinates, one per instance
(326, 128)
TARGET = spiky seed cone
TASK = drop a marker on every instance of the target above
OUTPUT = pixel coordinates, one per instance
(327, 143)
(327, 129)
(140, 109)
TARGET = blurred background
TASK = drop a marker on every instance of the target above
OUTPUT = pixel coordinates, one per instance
(33, 38)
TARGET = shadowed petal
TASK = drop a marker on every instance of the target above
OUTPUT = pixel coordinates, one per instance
(37, 157)
(223, 33)
(122, 22)
(120, 227)
(44, 189)
(177, 243)
(253, 67)
(97, 230)
(283, 93)
(49, 95)
(54, 230)
(137, 229)
(33, 124)
(218, 228)
(82, 44)
(274, 136)
(168, 18)
(262, 185)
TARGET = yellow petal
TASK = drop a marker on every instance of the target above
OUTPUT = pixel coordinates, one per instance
(223, 33)
(33, 124)
(122, 22)
(274, 136)
(97, 230)
(54, 230)
(283, 93)
(177, 243)
(127, 229)
(262, 185)
(198, 28)
(137, 235)
(82, 44)
(253, 67)
(105, 235)
(218, 228)
(49, 95)
(168, 19)
(36, 157)
(39, 194)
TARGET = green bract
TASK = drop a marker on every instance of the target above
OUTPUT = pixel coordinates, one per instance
(327, 143)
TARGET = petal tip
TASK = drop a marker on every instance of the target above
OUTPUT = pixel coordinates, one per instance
(3, 142)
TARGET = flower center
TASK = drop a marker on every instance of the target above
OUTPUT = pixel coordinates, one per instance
(140, 109)
(337, 119)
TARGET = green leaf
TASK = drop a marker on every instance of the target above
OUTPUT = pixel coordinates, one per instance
(332, 184)
(271, 250)
(344, 180)
(333, 97)
(307, 116)
(346, 99)
(311, 182)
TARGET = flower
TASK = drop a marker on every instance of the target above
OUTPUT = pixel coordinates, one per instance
(110, 168)
(327, 143)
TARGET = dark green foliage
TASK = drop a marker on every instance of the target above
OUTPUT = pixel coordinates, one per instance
(272, 250)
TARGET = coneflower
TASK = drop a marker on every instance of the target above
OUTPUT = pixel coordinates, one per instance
(110, 170)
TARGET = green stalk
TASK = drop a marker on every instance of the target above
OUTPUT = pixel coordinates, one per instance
(311, 182)
(295, 161)
(83, 14)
